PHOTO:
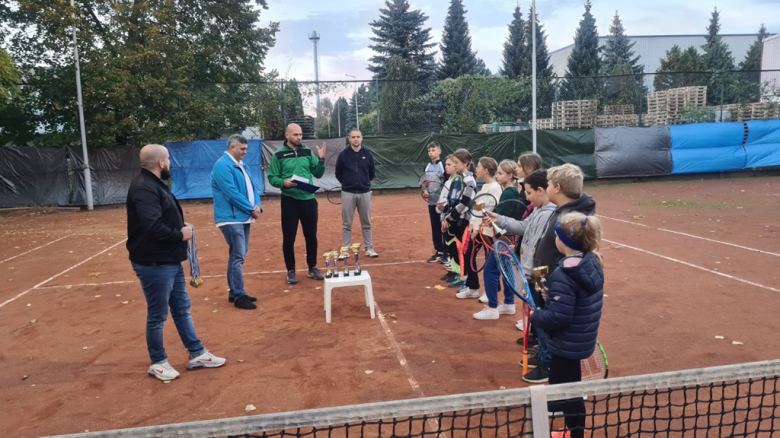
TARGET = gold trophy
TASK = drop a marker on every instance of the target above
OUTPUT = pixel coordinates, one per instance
(356, 250)
(328, 272)
(335, 257)
(345, 253)
(540, 273)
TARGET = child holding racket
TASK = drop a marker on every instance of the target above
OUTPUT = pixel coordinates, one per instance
(505, 176)
(486, 170)
(462, 191)
(573, 310)
(449, 170)
(436, 166)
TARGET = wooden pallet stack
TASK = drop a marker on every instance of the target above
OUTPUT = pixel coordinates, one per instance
(664, 107)
(618, 110)
(617, 120)
(576, 113)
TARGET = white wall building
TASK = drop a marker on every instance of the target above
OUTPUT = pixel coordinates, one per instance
(652, 48)
(770, 60)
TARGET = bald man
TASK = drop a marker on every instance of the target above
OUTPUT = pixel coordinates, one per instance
(297, 205)
(157, 241)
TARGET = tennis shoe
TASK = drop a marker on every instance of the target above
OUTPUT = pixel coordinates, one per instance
(343, 256)
(486, 314)
(450, 276)
(468, 293)
(483, 299)
(205, 360)
(434, 258)
(445, 259)
(456, 283)
(507, 309)
(519, 324)
(533, 361)
(371, 253)
(291, 277)
(315, 274)
(540, 374)
(163, 371)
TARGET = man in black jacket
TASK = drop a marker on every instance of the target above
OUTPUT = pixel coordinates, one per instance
(355, 169)
(157, 241)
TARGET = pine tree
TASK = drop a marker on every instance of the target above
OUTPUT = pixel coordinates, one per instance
(400, 32)
(293, 101)
(401, 87)
(514, 47)
(618, 56)
(543, 67)
(750, 80)
(677, 60)
(584, 60)
(480, 69)
(362, 102)
(339, 119)
(457, 57)
(717, 56)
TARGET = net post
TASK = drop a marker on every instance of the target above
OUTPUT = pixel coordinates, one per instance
(538, 423)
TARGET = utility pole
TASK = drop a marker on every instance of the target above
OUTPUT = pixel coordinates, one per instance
(87, 172)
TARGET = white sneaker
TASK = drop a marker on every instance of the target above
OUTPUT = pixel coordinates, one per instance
(163, 371)
(205, 360)
(371, 253)
(488, 313)
(519, 324)
(467, 293)
(507, 309)
(483, 299)
(342, 256)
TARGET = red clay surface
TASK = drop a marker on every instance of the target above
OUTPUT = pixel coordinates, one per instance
(659, 315)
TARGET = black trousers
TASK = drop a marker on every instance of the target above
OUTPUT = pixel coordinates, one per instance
(305, 212)
(438, 239)
(473, 278)
(564, 370)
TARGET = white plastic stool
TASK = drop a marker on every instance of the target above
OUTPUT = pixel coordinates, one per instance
(362, 280)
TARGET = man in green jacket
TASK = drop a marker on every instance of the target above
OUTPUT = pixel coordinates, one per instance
(297, 205)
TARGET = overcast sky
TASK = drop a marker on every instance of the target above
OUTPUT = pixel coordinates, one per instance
(345, 31)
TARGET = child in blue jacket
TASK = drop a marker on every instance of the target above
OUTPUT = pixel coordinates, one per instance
(573, 309)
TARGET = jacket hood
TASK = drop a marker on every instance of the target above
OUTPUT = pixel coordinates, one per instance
(549, 207)
(587, 274)
(585, 204)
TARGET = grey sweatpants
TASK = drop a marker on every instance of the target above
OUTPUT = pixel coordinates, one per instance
(361, 201)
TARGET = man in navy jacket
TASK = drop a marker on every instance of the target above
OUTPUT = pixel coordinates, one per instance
(236, 206)
(355, 169)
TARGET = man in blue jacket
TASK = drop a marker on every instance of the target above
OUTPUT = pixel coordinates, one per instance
(236, 206)
(355, 169)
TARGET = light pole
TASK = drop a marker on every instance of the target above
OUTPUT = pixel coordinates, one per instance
(357, 110)
(87, 172)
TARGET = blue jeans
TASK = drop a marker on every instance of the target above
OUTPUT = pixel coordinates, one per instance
(164, 287)
(490, 276)
(544, 355)
(237, 238)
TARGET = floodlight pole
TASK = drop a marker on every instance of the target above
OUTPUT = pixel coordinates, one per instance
(87, 172)
(357, 110)
(533, 73)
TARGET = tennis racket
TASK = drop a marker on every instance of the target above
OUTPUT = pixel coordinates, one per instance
(511, 270)
(482, 203)
(431, 192)
(334, 196)
(596, 367)
(513, 208)
(192, 256)
(429, 176)
(463, 247)
(480, 251)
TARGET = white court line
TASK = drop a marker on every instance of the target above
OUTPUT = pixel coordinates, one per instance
(223, 275)
(694, 266)
(55, 276)
(34, 249)
(693, 236)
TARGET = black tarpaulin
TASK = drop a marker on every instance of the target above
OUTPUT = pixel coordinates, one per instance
(631, 151)
(33, 176)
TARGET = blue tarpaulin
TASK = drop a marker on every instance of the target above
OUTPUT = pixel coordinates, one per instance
(710, 147)
(763, 143)
(191, 165)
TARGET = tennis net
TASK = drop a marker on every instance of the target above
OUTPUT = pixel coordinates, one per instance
(734, 400)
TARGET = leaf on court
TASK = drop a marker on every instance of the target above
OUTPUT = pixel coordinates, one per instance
(720, 337)
(29, 304)
(110, 254)
(33, 321)
(119, 295)
(392, 315)
(92, 284)
(84, 348)
(16, 247)
(240, 361)
(439, 287)
(639, 216)
(427, 287)
(68, 287)
(318, 288)
(736, 343)
(125, 302)
(286, 290)
(250, 408)
(369, 371)
(215, 311)
(501, 387)
(98, 296)
(96, 274)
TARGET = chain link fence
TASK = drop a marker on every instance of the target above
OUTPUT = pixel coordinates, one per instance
(469, 104)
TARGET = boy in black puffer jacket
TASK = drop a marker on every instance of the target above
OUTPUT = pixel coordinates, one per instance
(573, 309)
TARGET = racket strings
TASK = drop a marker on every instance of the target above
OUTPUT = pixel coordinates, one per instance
(192, 258)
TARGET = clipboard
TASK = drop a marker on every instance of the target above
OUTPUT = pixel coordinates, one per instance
(303, 184)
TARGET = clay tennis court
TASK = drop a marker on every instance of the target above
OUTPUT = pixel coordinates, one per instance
(686, 261)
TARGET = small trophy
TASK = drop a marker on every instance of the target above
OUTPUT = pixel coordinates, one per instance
(335, 256)
(345, 253)
(328, 272)
(540, 273)
(356, 250)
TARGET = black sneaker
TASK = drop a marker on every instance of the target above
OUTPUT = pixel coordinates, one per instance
(449, 277)
(313, 273)
(533, 362)
(434, 258)
(444, 259)
(243, 302)
(233, 299)
(291, 278)
(540, 374)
